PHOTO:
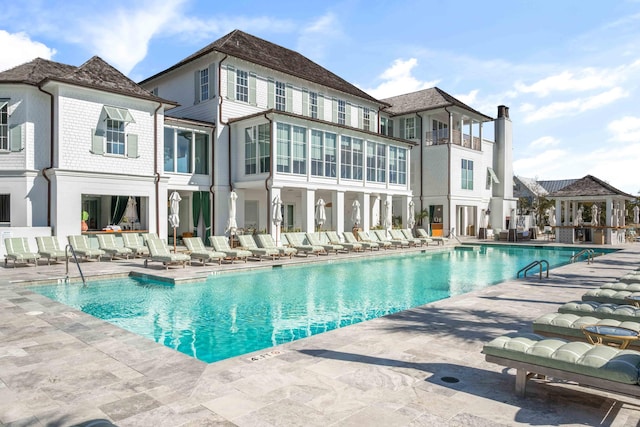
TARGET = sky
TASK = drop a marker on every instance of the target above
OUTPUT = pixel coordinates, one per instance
(568, 70)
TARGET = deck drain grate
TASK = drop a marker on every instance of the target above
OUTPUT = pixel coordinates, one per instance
(450, 380)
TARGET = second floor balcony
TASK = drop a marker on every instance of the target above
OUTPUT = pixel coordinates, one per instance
(441, 137)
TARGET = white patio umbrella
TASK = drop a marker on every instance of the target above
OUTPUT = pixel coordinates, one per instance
(321, 215)
(636, 215)
(355, 213)
(174, 216)
(483, 219)
(277, 214)
(594, 215)
(513, 221)
(387, 220)
(131, 213)
(412, 214)
(552, 216)
(232, 224)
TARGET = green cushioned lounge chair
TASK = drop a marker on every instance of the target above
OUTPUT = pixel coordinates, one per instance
(350, 238)
(159, 252)
(397, 234)
(621, 312)
(423, 233)
(408, 234)
(49, 248)
(297, 241)
(350, 246)
(18, 250)
(248, 243)
(396, 243)
(134, 242)
(221, 244)
(107, 242)
(266, 241)
(81, 247)
(372, 237)
(198, 251)
(317, 239)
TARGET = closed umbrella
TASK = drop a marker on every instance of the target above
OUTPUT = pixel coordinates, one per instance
(232, 224)
(321, 215)
(355, 213)
(387, 220)
(594, 215)
(277, 214)
(552, 216)
(131, 213)
(483, 219)
(636, 215)
(513, 220)
(412, 214)
(174, 216)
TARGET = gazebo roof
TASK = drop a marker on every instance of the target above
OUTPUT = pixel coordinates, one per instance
(589, 187)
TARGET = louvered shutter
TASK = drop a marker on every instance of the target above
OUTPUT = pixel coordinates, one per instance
(15, 138)
(231, 82)
(97, 141)
(252, 89)
(270, 93)
(402, 128)
(196, 86)
(132, 146)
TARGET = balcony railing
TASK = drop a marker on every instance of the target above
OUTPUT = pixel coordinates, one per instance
(441, 137)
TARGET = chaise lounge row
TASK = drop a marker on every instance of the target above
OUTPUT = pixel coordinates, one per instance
(559, 348)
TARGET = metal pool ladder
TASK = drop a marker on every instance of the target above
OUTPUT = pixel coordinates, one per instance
(533, 264)
(75, 258)
(589, 252)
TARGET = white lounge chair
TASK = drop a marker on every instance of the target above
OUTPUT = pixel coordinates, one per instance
(18, 250)
(81, 247)
(248, 243)
(159, 252)
(221, 244)
(350, 246)
(372, 237)
(266, 241)
(107, 242)
(198, 251)
(316, 239)
(296, 241)
(134, 242)
(49, 248)
(349, 237)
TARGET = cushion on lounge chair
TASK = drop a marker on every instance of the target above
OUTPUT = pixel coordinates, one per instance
(267, 242)
(613, 296)
(221, 244)
(316, 239)
(198, 251)
(602, 310)
(18, 250)
(49, 248)
(600, 366)
(134, 242)
(247, 242)
(81, 247)
(297, 241)
(107, 242)
(569, 326)
(333, 237)
(158, 251)
(349, 237)
(633, 277)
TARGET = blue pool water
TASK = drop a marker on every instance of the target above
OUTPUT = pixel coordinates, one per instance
(237, 313)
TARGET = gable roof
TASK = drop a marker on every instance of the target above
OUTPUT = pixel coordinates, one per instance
(426, 99)
(555, 185)
(94, 74)
(270, 55)
(530, 187)
(589, 186)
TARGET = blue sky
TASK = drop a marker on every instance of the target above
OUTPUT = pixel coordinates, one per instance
(569, 70)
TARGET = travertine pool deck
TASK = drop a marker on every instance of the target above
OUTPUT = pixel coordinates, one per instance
(61, 367)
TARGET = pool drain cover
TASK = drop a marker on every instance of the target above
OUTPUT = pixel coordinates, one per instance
(450, 380)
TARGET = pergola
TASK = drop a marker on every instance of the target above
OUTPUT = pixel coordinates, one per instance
(569, 224)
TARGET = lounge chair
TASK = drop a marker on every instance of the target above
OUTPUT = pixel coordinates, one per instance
(350, 246)
(397, 243)
(198, 251)
(248, 243)
(107, 242)
(81, 247)
(18, 251)
(350, 238)
(159, 252)
(614, 293)
(423, 240)
(49, 248)
(221, 244)
(599, 366)
(134, 242)
(266, 241)
(296, 241)
(423, 233)
(316, 239)
(373, 238)
(621, 312)
(569, 326)
(632, 277)
(398, 235)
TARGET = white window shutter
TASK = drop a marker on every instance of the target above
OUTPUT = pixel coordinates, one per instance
(252, 89)
(231, 82)
(321, 107)
(132, 145)
(15, 138)
(289, 98)
(212, 80)
(97, 141)
(270, 93)
(196, 84)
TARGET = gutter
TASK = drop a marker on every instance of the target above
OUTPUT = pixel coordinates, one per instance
(266, 181)
(156, 173)
(421, 158)
(212, 190)
(449, 123)
(51, 157)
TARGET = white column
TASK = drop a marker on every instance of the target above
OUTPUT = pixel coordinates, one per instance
(338, 211)
(308, 210)
(365, 211)
(405, 211)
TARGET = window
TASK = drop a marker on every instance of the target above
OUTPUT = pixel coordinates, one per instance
(299, 150)
(366, 118)
(115, 137)
(440, 130)
(242, 86)
(250, 151)
(342, 112)
(351, 158)
(410, 128)
(386, 126)
(376, 162)
(169, 149)
(204, 84)
(284, 152)
(264, 148)
(202, 154)
(184, 151)
(313, 105)
(281, 96)
(4, 125)
(467, 174)
(179, 149)
(257, 156)
(5, 208)
(323, 154)
(397, 165)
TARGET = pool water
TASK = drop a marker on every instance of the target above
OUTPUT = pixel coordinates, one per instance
(237, 313)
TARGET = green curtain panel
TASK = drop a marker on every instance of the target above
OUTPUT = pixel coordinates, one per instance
(206, 214)
(118, 206)
(195, 204)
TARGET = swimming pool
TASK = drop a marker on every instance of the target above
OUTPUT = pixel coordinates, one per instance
(237, 313)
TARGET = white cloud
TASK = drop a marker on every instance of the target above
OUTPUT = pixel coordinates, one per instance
(398, 79)
(575, 106)
(626, 129)
(18, 48)
(544, 164)
(545, 141)
(319, 35)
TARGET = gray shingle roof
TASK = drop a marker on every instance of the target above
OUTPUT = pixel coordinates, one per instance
(95, 74)
(555, 185)
(589, 186)
(426, 99)
(258, 51)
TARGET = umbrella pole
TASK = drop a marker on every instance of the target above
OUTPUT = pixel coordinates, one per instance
(174, 240)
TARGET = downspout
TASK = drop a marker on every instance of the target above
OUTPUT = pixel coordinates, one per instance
(156, 173)
(266, 181)
(213, 150)
(449, 168)
(51, 157)
(421, 159)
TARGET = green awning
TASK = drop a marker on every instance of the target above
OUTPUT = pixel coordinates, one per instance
(120, 114)
(494, 177)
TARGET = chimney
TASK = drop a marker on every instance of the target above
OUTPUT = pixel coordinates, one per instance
(503, 154)
(503, 111)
